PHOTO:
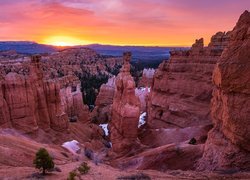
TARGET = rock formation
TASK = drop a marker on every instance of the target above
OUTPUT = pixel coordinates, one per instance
(4, 110)
(182, 87)
(103, 103)
(168, 157)
(78, 61)
(71, 99)
(18, 94)
(102, 110)
(147, 77)
(142, 94)
(30, 102)
(228, 146)
(125, 111)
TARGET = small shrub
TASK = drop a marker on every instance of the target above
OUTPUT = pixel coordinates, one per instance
(43, 160)
(72, 175)
(139, 176)
(192, 141)
(84, 168)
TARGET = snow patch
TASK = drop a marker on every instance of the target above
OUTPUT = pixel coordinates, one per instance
(105, 128)
(149, 73)
(142, 119)
(111, 81)
(72, 146)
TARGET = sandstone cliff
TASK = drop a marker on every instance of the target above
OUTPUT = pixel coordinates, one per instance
(228, 146)
(30, 102)
(125, 111)
(182, 87)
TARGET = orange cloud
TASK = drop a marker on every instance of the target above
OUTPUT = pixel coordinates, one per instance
(146, 22)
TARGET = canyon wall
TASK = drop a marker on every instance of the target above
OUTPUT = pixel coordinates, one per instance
(228, 146)
(182, 87)
(125, 111)
(29, 102)
(103, 103)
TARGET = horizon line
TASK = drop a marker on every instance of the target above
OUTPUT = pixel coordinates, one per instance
(104, 44)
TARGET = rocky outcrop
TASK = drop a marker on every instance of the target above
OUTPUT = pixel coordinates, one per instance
(159, 137)
(71, 99)
(33, 103)
(125, 111)
(4, 110)
(102, 110)
(168, 157)
(38, 89)
(80, 61)
(182, 87)
(147, 77)
(103, 103)
(21, 102)
(228, 146)
(30, 102)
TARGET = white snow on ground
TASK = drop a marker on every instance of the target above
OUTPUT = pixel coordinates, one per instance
(142, 90)
(72, 146)
(111, 81)
(142, 119)
(105, 128)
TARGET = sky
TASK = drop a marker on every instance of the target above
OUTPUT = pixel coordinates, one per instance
(117, 22)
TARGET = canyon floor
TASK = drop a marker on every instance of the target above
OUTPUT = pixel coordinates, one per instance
(106, 172)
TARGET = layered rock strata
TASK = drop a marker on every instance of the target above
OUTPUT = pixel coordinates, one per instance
(182, 87)
(228, 146)
(30, 102)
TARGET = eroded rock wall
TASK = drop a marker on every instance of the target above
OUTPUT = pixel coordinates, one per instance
(182, 87)
(29, 102)
(228, 146)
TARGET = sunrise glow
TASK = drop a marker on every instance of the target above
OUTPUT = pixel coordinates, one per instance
(63, 41)
(117, 22)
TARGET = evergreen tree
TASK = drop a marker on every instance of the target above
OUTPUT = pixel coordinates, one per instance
(43, 160)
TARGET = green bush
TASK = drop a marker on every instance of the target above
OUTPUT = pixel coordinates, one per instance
(72, 175)
(192, 141)
(43, 160)
(84, 168)
(139, 176)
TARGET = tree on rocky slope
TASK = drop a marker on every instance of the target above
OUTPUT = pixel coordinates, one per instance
(43, 160)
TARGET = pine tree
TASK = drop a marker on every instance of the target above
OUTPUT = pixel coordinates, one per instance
(43, 160)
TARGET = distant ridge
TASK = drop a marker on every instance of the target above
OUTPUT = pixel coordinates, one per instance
(26, 47)
(145, 53)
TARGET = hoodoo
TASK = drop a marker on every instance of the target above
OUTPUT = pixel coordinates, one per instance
(125, 111)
